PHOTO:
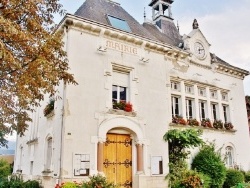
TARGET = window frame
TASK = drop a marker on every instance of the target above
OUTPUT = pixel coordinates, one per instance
(214, 111)
(118, 99)
(226, 115)
(229, 160)
(175, 86)
(201, 109)
(189, 89)
(188, 106)
(174, 105)
(49, 153)
(123, 23)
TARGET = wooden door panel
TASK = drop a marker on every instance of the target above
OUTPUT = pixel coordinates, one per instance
(118, 159)
(110, 158)
(124, 160)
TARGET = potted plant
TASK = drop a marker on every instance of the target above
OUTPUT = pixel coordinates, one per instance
(179, 120)
(193, 122)
(206, 123)
(123, 105)
(49, 107)
(228, 125)
(218, 124)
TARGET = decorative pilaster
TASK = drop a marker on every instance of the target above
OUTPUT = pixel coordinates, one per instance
(139, 151)
(100, 160)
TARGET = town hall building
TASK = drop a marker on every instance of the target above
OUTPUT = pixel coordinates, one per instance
(135, 82)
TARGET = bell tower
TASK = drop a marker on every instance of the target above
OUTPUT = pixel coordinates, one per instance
(163, 20)
(161, 9)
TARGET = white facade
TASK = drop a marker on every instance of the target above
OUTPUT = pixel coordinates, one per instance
(101, 57)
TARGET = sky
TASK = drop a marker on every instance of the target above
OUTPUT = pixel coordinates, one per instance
(224, 23)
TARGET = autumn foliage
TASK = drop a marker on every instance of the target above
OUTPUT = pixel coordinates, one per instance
(32, 60)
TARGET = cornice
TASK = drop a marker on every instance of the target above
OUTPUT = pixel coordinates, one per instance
(95, 28)
(231, 71)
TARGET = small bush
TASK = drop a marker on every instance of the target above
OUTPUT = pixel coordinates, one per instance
(209, 162)
(193, 179)
(98, 181)
(31, 184)
(233, 177)
(69, 185)
(247, 177)
(17, 182)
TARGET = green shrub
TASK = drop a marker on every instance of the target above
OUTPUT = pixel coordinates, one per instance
(98, 181)
(14, 182)
(242, 185)
(69, 185)
(193, 179)
(209, 162)
(17, 182)
(31, 184)
(4, 169)
(247, 176)
(233, 177)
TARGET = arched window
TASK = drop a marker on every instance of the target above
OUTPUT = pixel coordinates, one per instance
(48, 154)
(229, 156)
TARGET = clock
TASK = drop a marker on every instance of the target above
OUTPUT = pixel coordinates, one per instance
(199, 50)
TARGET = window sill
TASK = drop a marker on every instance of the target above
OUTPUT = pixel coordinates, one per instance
(47, 172)
(33, 141)
(203, 128)
(122, 112)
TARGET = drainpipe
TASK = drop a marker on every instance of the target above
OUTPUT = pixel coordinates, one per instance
(62, 110)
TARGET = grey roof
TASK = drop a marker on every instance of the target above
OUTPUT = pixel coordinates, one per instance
(163, 31)
(98, 10)
(169, 33)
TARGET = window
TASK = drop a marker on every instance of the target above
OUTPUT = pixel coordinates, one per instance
(119, 93)
(48, 154)
(175, 86)
(214, 108)
(20, 159)
(31, 167)
(120, 87)
(189, 89)
(226, 113)
(190, 108)
(119, 23)
(224, 96)
(229, 156)
(202, 92)
(213, 94)
(203, 110)
(176, 101)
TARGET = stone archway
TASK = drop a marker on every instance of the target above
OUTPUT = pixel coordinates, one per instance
(120, 123)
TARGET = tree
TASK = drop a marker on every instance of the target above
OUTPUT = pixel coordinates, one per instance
(4, 169)
(179, 141)
(32, 60)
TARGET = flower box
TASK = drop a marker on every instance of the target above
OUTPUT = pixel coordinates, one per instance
(218, 124)
(193, 122)
(206, 123)
(228, 126)
(179, 120)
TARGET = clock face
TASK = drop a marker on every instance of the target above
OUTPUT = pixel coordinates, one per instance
(199, 50)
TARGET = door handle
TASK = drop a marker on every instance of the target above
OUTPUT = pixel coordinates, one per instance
(113, 170)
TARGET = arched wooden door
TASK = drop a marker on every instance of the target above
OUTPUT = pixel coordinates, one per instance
(118, 159)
